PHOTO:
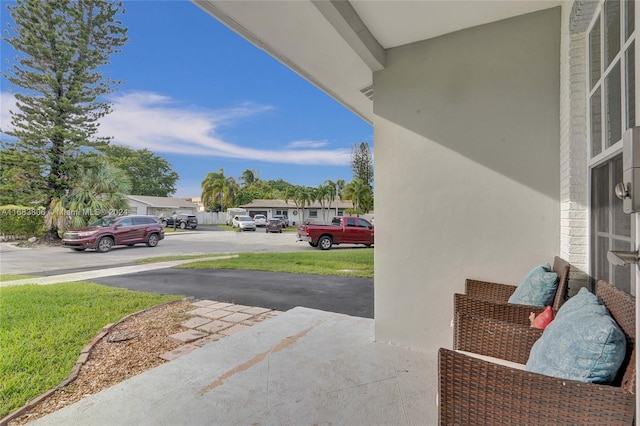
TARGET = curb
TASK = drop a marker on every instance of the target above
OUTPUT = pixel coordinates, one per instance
(82, 359)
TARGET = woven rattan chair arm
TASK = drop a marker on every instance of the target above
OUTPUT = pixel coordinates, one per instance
(517, 314)
(485, 290)
(477, 392)
(499, 339)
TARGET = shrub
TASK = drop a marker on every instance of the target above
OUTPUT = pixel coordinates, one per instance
(21, 221)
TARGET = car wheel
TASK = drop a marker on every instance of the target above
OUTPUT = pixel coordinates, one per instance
(152, 240)
(104, 244)
(183, 225)
(164, 223)
(325, 242)
(78, 249)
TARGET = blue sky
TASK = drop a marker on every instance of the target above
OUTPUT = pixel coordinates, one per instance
(204, 98)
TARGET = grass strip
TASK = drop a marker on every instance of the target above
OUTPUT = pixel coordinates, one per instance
(44, 328)
(353, 262)
(11, 277)
(179, 257)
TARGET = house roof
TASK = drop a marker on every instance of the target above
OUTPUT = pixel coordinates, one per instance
(338, 45)
(280, 204)
(162, 202)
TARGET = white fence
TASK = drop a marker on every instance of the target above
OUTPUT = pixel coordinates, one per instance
(211, 218)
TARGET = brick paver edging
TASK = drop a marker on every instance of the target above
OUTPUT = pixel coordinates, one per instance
(82, 359)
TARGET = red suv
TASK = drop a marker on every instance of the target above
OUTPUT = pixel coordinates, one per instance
(109, 231)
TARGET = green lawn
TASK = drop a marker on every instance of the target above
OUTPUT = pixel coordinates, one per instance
(44, 328)
(180, 257)
(353, 263)
(11, 277)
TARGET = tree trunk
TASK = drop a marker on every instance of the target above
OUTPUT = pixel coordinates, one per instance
(51, 236)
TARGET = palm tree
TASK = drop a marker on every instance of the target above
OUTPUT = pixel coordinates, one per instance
(331, 193)
(339, 192)
(302, 198)
(358, 192)
(321, 196)
(248, 178)
(102, 188)
(218, 188)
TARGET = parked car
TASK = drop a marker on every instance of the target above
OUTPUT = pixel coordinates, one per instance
(109, 231)
(244, 223)
(283, 219)
(274, 225)
(260, 220)
(182, 221)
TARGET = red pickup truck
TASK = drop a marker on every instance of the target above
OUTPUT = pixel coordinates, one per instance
(343, 230)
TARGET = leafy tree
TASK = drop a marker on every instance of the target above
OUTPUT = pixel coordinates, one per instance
(61, 45)
(362, 163)
(149, 173)
(245, 196)
(21, 178)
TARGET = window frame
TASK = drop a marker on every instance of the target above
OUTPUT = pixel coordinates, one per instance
(608, 153)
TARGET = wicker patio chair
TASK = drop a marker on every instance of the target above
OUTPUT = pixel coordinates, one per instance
(500, 293)
(478, 392)
(490, 300)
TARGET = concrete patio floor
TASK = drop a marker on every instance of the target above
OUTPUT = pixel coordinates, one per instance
(303, 367)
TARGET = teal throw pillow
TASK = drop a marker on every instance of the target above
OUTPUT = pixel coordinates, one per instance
(538, 288)
(582, 343)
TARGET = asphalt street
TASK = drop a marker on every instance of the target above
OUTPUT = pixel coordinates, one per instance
(281, 291)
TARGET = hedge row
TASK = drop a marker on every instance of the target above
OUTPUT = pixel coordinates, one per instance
(21, 221)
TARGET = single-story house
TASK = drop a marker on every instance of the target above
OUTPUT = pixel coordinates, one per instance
(160, 206)
(500, 122)
(314, 212)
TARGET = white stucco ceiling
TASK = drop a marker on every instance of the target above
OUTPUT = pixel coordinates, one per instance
(337, 45)
(394, 23)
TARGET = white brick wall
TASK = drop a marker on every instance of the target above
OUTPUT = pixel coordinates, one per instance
(574, 178)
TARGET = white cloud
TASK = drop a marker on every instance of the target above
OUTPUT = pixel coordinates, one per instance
(162, 125)
(307, 144)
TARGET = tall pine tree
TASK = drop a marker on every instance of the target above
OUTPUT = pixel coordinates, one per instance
(59, 89)
(362, 163)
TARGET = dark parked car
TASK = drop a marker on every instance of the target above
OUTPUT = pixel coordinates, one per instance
(274, 225)
(282, 218)
(109, 231)
(182, 221)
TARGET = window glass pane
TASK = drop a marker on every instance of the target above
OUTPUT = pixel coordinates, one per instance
(613, 106)
(594, 53)
(611, 30)
(600, 198)
(600, 262)
(631, 86)
(621, 220)
(596, 124)
(629, 26)
(621, 275)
